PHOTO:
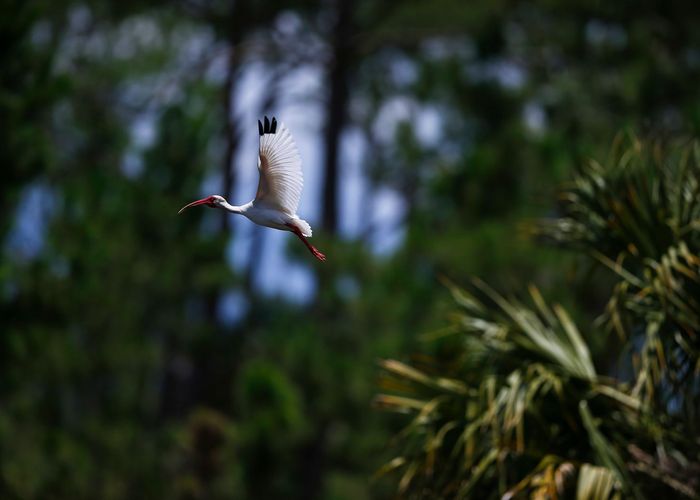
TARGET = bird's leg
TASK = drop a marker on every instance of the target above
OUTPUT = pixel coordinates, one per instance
(314, 251)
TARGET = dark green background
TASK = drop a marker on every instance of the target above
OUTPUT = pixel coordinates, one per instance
(119, 375)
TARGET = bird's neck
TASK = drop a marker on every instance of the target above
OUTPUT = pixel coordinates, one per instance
(235, 209)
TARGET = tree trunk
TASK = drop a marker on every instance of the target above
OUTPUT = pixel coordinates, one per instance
(336, 111)
(232, 140)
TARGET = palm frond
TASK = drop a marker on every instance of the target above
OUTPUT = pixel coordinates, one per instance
(596, 483)
(519, 409)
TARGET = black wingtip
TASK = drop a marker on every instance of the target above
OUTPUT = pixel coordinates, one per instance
(267, 127)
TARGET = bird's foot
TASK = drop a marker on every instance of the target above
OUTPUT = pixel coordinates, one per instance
(314, 251)
(318, 254)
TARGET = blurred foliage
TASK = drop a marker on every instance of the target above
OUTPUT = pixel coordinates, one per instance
(124, 372)
(515, 406)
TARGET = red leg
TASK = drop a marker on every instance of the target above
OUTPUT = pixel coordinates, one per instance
(314, 251)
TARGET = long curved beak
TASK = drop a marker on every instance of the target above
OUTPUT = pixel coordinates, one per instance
(203, 201)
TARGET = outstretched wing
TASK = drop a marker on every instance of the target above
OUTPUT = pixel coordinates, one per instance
(279, 163)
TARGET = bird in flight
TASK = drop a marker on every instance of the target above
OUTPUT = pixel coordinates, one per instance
(279, 188)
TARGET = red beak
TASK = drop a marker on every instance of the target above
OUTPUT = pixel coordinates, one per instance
(203, 201)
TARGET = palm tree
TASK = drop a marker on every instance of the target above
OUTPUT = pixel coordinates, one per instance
(517, 407)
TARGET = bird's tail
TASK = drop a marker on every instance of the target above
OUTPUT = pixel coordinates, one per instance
(303, 226)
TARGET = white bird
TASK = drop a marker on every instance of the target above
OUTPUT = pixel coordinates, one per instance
(279, 188)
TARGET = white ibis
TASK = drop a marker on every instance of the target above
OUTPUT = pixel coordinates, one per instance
(279, 187)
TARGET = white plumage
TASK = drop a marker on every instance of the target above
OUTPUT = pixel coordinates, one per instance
(279, 188)
(281, 177)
